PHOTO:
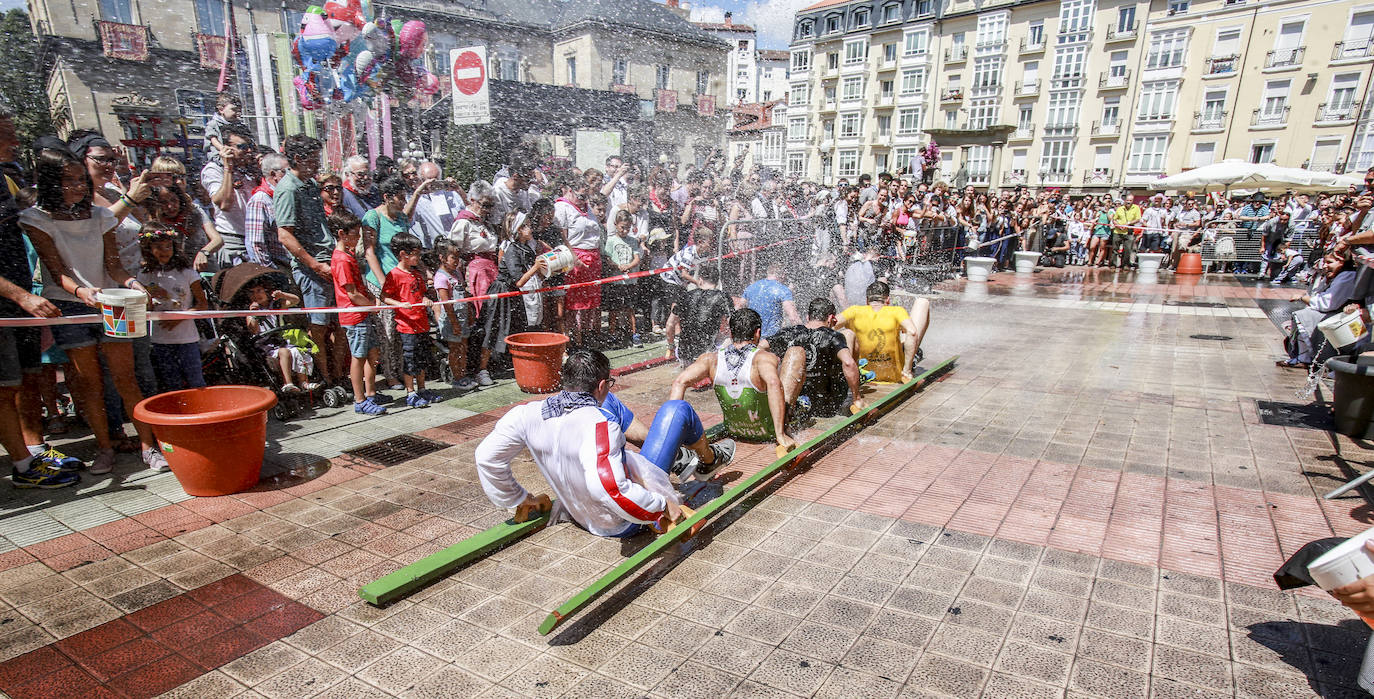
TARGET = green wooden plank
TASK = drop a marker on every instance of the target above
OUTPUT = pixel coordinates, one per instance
(437, 565)
(390, 587)
(792, 458)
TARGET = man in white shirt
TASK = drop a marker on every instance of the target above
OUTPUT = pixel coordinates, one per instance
(435, 209)
(1153, 220)
(578, 441)
(230, 195)
(513, 191)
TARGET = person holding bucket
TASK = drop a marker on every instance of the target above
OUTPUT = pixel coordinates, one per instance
(76, 244)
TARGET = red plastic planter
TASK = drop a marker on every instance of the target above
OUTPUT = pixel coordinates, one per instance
(213, 437)
(538, 360)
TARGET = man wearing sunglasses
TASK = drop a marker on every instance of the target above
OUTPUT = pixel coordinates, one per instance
(230, 194)
(578, 440)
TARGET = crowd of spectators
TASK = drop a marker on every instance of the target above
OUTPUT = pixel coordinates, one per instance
(389, 234)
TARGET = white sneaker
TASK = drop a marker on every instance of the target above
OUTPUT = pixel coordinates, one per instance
(290, 389)
(465, 385)
(103, 463)
(484, 378)
(152, 456)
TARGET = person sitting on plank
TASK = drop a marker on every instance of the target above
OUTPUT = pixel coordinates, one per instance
(577, 438)
(746, 381)
(886, 335)
(817, 368)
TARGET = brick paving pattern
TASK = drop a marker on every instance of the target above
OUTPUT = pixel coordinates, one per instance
(1088, 506)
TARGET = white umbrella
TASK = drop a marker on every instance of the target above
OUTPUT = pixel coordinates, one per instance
(1216, 176)
(1242, 174)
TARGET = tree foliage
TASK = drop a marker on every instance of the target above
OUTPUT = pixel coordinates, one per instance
(22, 88)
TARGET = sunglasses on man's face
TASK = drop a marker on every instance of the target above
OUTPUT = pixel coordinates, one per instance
(107, 160)
(331, 188)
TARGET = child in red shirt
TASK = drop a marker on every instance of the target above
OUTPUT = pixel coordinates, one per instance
(405, 285)
(350, 292)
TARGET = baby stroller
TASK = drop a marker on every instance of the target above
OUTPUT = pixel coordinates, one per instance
(250, 357)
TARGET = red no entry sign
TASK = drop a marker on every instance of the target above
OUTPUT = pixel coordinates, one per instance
(469, 73)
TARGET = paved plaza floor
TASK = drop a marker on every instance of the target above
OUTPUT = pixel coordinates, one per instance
(1088, 506)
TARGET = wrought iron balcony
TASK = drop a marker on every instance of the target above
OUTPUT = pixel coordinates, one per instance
(1204, 122)
(1100, 176)
(1332, 113)
(1057, 177)
(1336, 166)
(1222, 65)
(1352, 50)
(952, 94)
(1119, 33)
(1269, 117)
(1284, 58)
(955, 54)
(1118, 81)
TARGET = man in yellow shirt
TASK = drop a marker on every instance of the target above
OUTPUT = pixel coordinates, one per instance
(1125, 230)
(886, 335)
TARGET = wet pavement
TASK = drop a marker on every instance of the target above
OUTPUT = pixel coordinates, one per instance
(1089, 505)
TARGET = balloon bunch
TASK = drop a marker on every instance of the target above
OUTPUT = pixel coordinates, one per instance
(344, 56)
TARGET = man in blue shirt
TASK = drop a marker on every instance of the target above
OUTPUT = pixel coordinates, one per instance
(772, 299)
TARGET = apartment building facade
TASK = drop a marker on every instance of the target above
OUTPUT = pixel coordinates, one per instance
(1090, 95)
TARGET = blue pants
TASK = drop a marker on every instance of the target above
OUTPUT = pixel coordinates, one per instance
(675, 424)
(178, 366)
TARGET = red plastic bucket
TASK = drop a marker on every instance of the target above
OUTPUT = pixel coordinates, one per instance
(538, 360)
(213, 437)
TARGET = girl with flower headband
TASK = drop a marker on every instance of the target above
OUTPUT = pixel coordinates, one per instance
(174, 286)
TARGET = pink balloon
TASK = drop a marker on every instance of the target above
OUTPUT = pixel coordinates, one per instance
(412, 39)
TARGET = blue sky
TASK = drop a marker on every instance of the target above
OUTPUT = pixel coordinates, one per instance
(772, 18)
(7, 5)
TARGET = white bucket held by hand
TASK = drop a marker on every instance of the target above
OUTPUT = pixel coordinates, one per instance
(559, 260)
(1347, 563)
(1342, 330)
(123, 312)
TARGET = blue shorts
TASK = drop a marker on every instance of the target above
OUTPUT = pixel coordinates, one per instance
(19, 354)
(68, 337)
(447, 331)
(417, 355)
(315, 294)
(360, 339)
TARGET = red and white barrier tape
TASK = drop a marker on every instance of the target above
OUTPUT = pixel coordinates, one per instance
(192, 315)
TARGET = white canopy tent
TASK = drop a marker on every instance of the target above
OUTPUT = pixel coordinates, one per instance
(1241, 174)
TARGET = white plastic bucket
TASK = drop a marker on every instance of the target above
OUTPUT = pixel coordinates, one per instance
(1025, 262)
(559, 259)
(979, 268)
(1349, 562)
(1149, 261)
(1342, 330)
(123, 312)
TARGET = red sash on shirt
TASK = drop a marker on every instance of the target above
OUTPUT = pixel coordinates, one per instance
(574, 206)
